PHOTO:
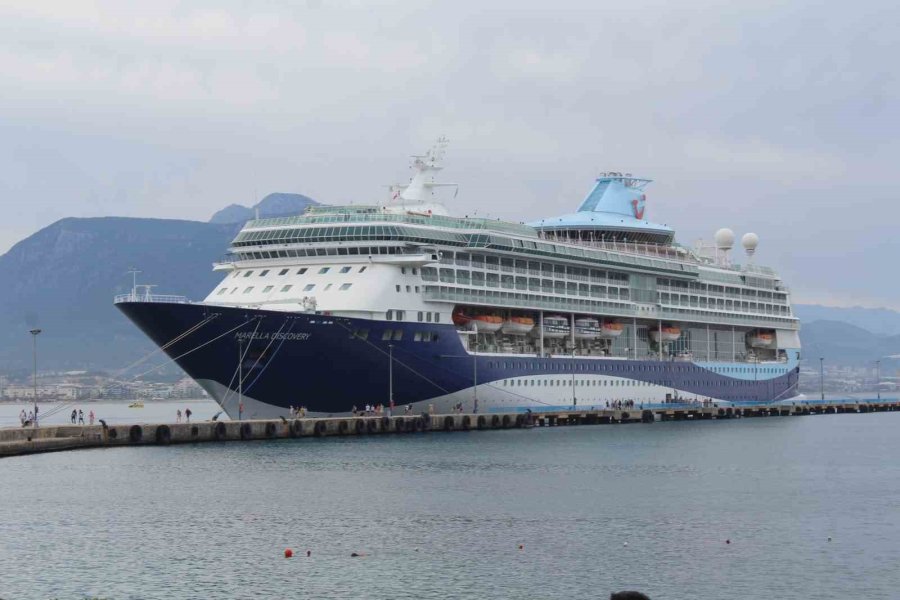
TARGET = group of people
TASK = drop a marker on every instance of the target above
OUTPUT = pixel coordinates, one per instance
(371, 410)
(621, 404)
(30, 417)
(77, 416)
(298, 412)
(187, 415)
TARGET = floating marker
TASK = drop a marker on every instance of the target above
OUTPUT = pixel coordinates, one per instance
(309, 553)
(829, 538)
(288, 553)
(521, 546)
(625, 544)
(727, 541)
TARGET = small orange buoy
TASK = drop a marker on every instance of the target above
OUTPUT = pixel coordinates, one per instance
(288, 553)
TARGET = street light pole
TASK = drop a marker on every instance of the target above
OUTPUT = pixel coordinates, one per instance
(822, 377)
(390, 375)
(574, 398)
(878, 378)
(34, 333)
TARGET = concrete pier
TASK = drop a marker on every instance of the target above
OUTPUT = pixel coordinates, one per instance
(29, 440)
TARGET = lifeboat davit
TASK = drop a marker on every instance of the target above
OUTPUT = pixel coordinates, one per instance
(556, 326)
(611, 329)
(762, 339)
(665, 334)
(587, 329)
(517, 325)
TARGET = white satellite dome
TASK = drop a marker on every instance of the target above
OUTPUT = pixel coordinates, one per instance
(725, 239)
(750, 241)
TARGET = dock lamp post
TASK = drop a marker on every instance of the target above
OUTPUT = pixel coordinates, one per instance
(391, 376)
(34, 333)
(878, 378)
(474, 368)
(822, 377)
(574, 398)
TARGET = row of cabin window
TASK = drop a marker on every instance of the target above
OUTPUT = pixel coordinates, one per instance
(639, 368)
(301, 271)
(307, 288)
(581, 382)
(409, 288)
(396, 335)
(424, 316)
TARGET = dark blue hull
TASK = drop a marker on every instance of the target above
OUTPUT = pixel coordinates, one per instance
(331, 364)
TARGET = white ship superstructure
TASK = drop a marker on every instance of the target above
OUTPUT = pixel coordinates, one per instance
(596, 306)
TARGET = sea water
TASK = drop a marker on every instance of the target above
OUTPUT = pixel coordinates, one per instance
(808, 504)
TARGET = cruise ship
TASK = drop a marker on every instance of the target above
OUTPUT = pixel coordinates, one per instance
(401, 304)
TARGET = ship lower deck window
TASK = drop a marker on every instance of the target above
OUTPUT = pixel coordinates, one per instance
(345, 286)
(248, 273)
(222, 291)
(308, 287)
(324, 270)
(286, 288)
(283, 271)
(345, 269)
(302, 271)
(328, 287)
(264, 272)
(248, 290)
(268, 289)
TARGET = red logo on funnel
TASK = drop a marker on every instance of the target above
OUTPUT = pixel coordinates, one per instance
(637, 206)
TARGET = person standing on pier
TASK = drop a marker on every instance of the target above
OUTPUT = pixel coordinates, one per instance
(74, 416)
(240, 410)
(178, 416)
(80, 417)
(187, 415)
(23, 417)
(91, 417)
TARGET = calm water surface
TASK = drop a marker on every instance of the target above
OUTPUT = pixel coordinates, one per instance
(441, 515)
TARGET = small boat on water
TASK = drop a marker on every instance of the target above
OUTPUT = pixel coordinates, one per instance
(136, 404)
(665, 334)
(517, 325)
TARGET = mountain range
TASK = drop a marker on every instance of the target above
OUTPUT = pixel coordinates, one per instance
(62, 280)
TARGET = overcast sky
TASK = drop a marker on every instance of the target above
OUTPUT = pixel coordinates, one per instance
(779, 118)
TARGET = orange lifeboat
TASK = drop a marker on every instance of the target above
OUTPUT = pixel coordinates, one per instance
(666, 333)
(762, 339)
(611, 329)
(517, 325)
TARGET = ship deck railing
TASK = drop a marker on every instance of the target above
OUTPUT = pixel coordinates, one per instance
(160, 298)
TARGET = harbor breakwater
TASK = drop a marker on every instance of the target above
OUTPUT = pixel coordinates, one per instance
(30, 440)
